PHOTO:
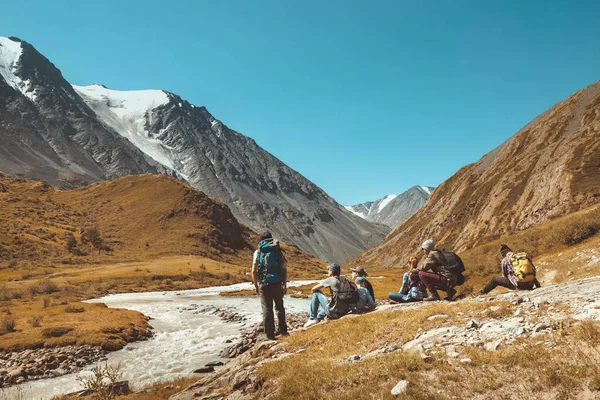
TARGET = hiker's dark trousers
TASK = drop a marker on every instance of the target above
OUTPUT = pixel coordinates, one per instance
(498, 281)
(269, 295)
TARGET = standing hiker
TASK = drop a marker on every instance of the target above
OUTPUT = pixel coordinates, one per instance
(518, 272)
(439, 277)
(269, 275)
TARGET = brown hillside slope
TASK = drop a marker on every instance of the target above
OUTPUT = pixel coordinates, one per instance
(157, 234)
(548, 169)
(139, 217)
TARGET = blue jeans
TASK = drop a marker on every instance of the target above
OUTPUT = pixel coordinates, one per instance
(318, 301)
(401, 298)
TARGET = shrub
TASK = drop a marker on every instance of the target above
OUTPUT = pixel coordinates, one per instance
(57, 331)
(74, 309)
(103, 381)
(71, 243)
(45, 286)
(7, 325)
(35, 321)
(9, 294)
(93, 237)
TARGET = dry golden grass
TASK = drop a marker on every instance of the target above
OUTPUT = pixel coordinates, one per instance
(160, 391)
(553, 245)
(95, 325)
(140, 217)
(320, 372)
(156, 233)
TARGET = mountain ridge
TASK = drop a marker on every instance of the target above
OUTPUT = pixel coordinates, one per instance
(392, 209)
(549, 168)
(73, 135)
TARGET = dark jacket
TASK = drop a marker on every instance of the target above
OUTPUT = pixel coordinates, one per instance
(370, 289)
(434, 263)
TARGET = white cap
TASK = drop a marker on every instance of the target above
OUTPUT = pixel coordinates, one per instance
(428, 244)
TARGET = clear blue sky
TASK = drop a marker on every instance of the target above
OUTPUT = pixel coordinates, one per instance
(364, 98)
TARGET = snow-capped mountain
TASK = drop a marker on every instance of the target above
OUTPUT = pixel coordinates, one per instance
(393, 209)
(69, 135)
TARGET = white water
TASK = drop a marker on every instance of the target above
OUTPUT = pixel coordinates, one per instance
(183, 340)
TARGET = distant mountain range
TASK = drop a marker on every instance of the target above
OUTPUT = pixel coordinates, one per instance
(73, 135)
(393, 209)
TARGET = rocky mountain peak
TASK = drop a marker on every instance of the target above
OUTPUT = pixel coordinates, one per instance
(72, 135)
(392, 210)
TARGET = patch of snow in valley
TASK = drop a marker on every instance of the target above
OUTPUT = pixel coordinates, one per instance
(183, 339)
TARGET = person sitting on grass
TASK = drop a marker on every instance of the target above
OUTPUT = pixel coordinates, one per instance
(524, 279)
(412, 288)
(365, 301)
(319, 306)
(439, 277)
(360, 271)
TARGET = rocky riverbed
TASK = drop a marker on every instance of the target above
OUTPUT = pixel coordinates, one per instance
(190, 329)
(251, 336)
(28, 365)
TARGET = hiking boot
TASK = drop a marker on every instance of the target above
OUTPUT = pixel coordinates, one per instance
(311, 322)
(479, 293)
(434, 297)
(450, 294)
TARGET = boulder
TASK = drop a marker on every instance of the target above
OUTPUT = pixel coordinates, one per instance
(204, 370)
(214, 364)
(400, 388)
(472, 324)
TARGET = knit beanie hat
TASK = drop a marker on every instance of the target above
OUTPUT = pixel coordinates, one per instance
(504, 249)
(428, 244)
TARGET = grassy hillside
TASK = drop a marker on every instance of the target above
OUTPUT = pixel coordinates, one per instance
(137, 233)
(548, 169)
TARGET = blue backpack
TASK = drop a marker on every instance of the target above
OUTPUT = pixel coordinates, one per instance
(270, 260)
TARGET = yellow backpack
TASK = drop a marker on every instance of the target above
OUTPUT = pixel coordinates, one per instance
(523, 268)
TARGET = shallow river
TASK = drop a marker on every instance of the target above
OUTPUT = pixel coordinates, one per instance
(183, 339)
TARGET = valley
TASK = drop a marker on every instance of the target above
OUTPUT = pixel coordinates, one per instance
(129, 220)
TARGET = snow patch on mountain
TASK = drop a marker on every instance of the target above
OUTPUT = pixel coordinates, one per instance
(426, 189)
(10, 54)
(392, 209)
(386, 200)
(353, 211)
(128, 113)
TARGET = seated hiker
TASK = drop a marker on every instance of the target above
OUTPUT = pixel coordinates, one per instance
(343, 295)
(412, 288)
(365, 301)
(518, 272)
(360, 271)
(435, 275)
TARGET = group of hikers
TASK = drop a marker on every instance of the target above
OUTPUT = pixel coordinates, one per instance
(440, 270)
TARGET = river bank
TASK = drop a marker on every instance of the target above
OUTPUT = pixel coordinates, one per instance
(187, 334)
